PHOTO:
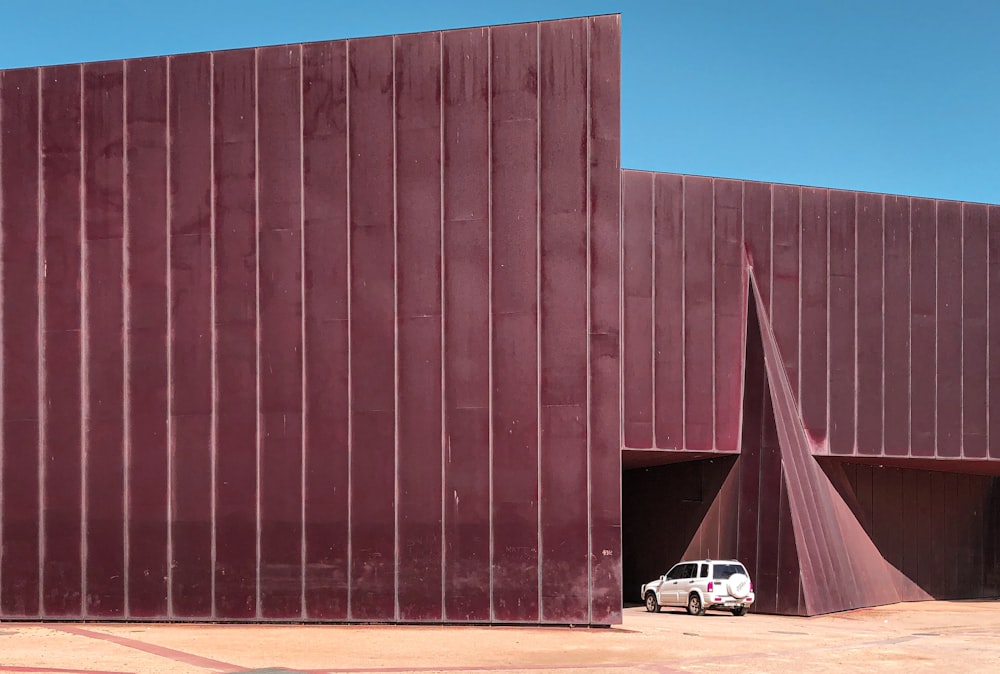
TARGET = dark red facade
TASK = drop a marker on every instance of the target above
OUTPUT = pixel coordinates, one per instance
(315, 332)
(822, 358)
(331, 332)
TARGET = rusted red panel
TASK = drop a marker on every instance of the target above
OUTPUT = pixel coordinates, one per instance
(467, 324)
(668, 307)
(279, 314)
(757, 234)
(147, 406)
(729, 292)
(19, 581)
(949, 329)
(234, 241)
(785, 250)
(638, 239)
(698, 315)
(103, 227)
(325, 349)
(604, 208)
(786, 204)
(816, 332)
(373, 352)
(923, 312)
(975, 339)
(843, 348)
(563, 318)
(870, 317)
(514, 155)
(418, 279)
(896, 408)
(190, 351)
(61, 116)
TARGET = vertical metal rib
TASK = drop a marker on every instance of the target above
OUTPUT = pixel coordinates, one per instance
(538, 307)
(40, 279)
(302, 337)
(395, 332)
(170, 355)
(84, 351)
(126, 346)
(213, 431)
(257, 410)
(350, 382)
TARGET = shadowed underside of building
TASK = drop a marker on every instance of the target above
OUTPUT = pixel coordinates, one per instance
(330, 332)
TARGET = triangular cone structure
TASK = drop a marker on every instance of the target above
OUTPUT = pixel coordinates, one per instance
(840, 568)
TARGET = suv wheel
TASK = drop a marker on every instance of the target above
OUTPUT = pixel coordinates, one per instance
(740, 611)
(695, 607)
(738, 585)
(651, 603)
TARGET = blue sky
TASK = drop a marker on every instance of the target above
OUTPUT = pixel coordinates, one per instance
(878, 95)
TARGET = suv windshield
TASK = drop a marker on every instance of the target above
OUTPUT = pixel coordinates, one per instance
(723, 571)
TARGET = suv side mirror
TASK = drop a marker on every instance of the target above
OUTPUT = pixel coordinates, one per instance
(663, 577)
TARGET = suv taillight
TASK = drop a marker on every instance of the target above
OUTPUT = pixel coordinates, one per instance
(711, 586)
(751, 587)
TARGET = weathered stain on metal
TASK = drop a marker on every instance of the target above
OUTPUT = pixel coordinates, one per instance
(291, 333)
(863, 364)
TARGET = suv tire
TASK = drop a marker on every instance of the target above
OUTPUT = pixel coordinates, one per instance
(695, 605)
(651, 604)
(738, 586)
(740, 611)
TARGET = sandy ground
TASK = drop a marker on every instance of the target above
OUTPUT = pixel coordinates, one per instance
(927, 636)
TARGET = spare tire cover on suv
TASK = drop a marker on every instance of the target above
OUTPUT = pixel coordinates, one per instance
(738, 585)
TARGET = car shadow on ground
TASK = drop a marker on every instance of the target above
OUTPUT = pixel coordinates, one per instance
(678, 610)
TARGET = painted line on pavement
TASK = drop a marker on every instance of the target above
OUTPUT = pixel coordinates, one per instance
(153, 649)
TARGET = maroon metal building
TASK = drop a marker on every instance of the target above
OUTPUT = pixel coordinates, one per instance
(331, 332)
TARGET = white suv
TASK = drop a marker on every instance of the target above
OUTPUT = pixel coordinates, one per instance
(701, 585)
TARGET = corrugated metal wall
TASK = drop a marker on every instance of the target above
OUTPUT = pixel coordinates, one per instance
(684, 312)
(881, 306)
(315, 332)
(863, 307)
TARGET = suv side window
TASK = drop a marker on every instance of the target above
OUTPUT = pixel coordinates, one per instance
(704, 571)
(674, 573)
(690, 570)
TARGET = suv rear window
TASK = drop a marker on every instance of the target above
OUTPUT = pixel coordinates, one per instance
(724, 571)
(682, 571)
